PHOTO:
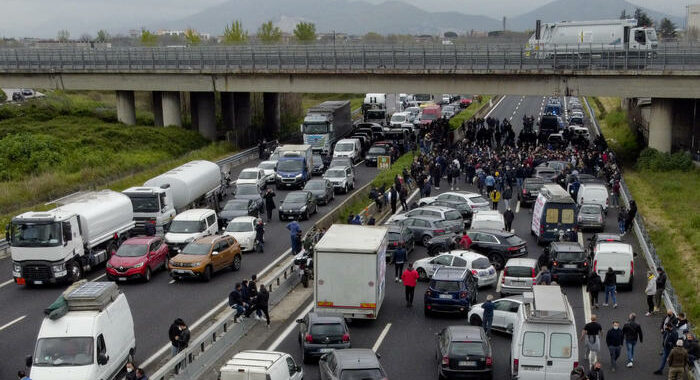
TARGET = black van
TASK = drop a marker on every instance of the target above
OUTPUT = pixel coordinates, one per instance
(553, 212)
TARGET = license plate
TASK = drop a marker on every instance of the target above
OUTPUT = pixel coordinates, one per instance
(122, 278)
(466, 363)
(447, 296)
(180, 271)
(38, 282)
(325, 350)
(522, 249)
(570, 266)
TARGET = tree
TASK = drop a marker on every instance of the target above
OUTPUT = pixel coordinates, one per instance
(63, 35)
(667, 29)
(305, 32)
(148, 38)
(102, 36)
(450, 35)
(234, 34)
(624, 15)
(192, 37)
(642, 18)
(85, 37)
(373, 38)
(269, 33)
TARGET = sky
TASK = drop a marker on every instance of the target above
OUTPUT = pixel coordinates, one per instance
(43, 18)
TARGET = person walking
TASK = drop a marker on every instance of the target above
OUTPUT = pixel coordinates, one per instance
(594, 285)
(597, 372)
(465, 242)
(610, 282)
(650, 291)
(591, 335)
(261, 304)
(488, 307)
(174, 336)
(130, 371)
(495, 197)
(507, 195)
(508, 217)
(269, 203)
(621, 217)
(21, 375)
(614, 339)
(677, 361)
(141, 374)
(259, 236)
(660, 287)
(235, 301)
(399, 260)
(409, 279)
(394, 197)
(632, 332)
(670, 338)
(294, 228)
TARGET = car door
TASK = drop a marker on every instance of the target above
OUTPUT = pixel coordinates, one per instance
(292, 367)
(219, 260)
(477, 241)
(155, 254)
(500, 310)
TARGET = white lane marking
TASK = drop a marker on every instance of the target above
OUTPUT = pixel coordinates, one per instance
(517, 207)
(8, 324)
(99, 277)
(500, 278)
(8, 282)
(587, 313)
(171, 281)
(381, 337)
(289, 328)
(358, 164)
(494, 107)
(579, 236)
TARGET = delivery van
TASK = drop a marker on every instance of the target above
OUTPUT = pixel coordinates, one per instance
(595, 193)
(553, 212)
(261, 365)
(619, 257)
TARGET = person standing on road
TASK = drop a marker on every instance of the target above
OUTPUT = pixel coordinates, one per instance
(631, 213)
(174, 336)
(692, 347)
(660, 287)
(495, 197)
(597, 372)
(594, 285)
(669, 340)
(507, 195)
(141, 374)
(130, 373)
(614, 339)
(591, 335)
(394, 197)
(650, 291)
(632, 332)
(184, 340)
(399, 260)
(610, 283)
(259, 236)
(409, 279)
(269, 203)
(621, 217)
(508, 217)
(465, 242)
(488, 307)
(677, 361)
(294, 228)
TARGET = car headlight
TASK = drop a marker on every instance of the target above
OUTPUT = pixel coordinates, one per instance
(58, 267)
(189, 240)
(298, 175)
(303, 208)
(109, 265)
(139, 265)
(171, 262)
(16, 267)
(195, 264)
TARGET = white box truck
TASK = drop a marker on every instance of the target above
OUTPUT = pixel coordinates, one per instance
(196, 183)
(61, 244)
(350, 265)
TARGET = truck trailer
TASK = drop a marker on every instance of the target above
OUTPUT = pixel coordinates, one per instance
(63, 243)
(325, 124)
(350, 265)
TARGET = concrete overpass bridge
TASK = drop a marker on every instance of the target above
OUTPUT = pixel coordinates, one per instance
(672, 73)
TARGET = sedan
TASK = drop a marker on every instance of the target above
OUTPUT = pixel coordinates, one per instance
(591, 216)
(498, 246)
(137, 258)
(237, 207)
(478, 264)
(250, 192)
(475, 201)
(546, 173)
(321, 333)
(450, 217)
(298, 205)
(505, 313)
(322, 190)
(423, 228)
(243, 230)
(352, 363)
(464, 352)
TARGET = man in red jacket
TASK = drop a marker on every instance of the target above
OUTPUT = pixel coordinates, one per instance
(409, 278)
(466, 241)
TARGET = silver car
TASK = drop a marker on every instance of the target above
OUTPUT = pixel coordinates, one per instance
(591, 216)
(425, 228)
(519, 275)
(351, 363)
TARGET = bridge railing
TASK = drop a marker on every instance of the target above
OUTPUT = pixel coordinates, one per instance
(350, 58)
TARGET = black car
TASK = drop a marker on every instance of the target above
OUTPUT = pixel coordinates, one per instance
(601, 237)
(17, 96)
(321, 333)
(298, 205)
(322, 189)
(319, 165)
(442, 243)
(375, 151)
(27, 92)
(463, 207)
(568, 261)
(399, 234)
(464, 352)
(451, 290)
(237, 207)
(498, 246)
(250, 191)
(530, 190)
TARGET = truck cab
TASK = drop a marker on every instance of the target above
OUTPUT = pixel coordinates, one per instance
(152, 205)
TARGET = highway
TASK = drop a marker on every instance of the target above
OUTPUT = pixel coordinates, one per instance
(406, 340)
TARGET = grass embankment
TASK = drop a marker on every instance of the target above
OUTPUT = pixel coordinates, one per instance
(469, 112)
(384, 177)
(56, 145)
(668, 200)
(614, 124)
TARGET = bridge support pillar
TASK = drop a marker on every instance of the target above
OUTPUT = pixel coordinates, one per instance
(204, 104)
(241, 106)
(157, 107)
(194, 115)
(661, 124)
(228, 116)
(126, 108)
(171, 114)
(271, 110)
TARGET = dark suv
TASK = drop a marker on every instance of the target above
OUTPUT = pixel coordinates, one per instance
(498, 246)
(322, 333)
(464, 352)
(451, 290)
(530, 191)
(568, 261)
(399, 234)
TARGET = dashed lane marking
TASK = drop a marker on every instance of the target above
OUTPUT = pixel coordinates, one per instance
(517, 207)
(292, 325)
(8, 324)
(381, 337)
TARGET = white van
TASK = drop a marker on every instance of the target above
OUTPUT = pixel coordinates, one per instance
(619, 257)
(188, 226)
(595, 193)
(91, 337)
(544, 344)
(491, 219)
(261, 365)
(350, 148)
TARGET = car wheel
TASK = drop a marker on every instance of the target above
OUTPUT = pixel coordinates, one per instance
(475, 320)
(425, 240)
(236, 264)
(347, 189)
(497, 260)
(147, 276)
(422, 274)
(207, 274)
(306, 215)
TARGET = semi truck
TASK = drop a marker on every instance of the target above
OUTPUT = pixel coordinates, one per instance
(63, 243)
(325, 124)
(294, 165)
(591, 37)
(194, 184)
(350, 265)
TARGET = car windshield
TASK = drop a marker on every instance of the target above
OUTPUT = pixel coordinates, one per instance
(295, 198)
(398, 118)
(63, 352)
(570, 256)
(530, 186)
(341, 163)
(445, 286)
(318, 160)
(429, 116)
(234, 206)
(335, 173)
(344, 147)
(315, 185)
(590, 209)
(196, 249)
(35, 235)
(519, 271)
(247, 190)
(186, 226)
(289, 166)
(466, 348)
(270, 165)
(248, 175)
(132, 250)
(239, 227)
(481, 263)
(453, 215)
(145, 203)
(324, 329)
(375, 114)
(514, 240)
(377, 150)
(362, 374)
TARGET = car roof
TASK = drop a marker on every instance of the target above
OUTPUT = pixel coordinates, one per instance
(325, 318)
(244, 219)
(396, 227)
(471, 255)
(450, 274)
(317, 180)
(338, 167)
(209, 239)
(522, 262)
(255, 169)
(567, 246)
(305, 192)
(434, 208)
(592, 205)
(356, 358)
(613, 246)
(195, 213)
(605, 236)
(464, 332)
(491, 231)
(141, 240)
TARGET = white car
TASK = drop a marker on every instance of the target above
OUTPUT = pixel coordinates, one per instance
(505, 313)
(252, 176)
(242, 229)
(490, 220)
(400, 118)
(478, 264)
(475, 201)
(268, 168)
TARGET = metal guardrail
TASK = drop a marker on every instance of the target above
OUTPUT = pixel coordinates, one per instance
(348, 58)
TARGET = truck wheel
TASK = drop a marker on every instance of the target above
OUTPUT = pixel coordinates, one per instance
(75, 271)
(236, 264)
(207, 274)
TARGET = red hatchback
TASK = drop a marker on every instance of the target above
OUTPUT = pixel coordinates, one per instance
(138, 258)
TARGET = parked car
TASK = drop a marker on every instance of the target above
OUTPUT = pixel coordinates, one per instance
(322, 333)
(375, 151)
(242, 229)
(443, 243)
(237, 207)
(322, 190)
(478, 264)
(544, 172)
(451, 290)
(464, 352)
(268, 168)
(27, 92)
(505, 313)
(352, 363)
(475, 201)
(568, 261)
(250, 192)
(530, 190)
(451, 218)
(590, 216)
(519, 275)
(319, 166)
(423, 228)
(462, 207)
(252, 176)
(342, 178)
(399, 235)
(204, 256)
(298, 205)
(137, 258)
(599, 238)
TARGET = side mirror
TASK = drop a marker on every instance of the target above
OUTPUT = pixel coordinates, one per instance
(301, 128)
(509, 328)
(324, 358)
(300, 321)
(215, 253)
(28, 361)
(298, 368)
(102, 359)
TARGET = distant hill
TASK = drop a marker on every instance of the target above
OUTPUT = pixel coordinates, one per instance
(577, 10)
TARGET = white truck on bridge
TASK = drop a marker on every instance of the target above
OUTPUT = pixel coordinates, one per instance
(350, 265)
(194, 184)
(61, 244)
